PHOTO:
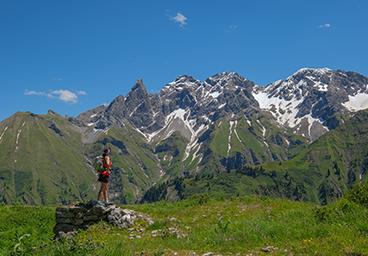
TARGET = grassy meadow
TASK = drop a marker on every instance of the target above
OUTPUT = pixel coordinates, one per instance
(254, 225)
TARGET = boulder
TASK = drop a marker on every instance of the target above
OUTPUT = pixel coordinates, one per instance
(71, 218)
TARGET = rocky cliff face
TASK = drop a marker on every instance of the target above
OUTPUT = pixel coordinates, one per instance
(306, 102)
(311, 100)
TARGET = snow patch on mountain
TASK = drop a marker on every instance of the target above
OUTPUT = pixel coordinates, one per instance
(229, 140)
(236, 133)
(284, 111)
(195, 153)
(179, 113)
(178, 120)
(214, 94)
(222, 105)
(207, 119)
(321, 86)
(264, 138)
(17, 139)
(193, 140)
(248, 121)
(3, 132)
(356, 102)
(17, 142)
(101, 130)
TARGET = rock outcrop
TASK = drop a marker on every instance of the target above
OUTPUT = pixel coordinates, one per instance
(71, 218)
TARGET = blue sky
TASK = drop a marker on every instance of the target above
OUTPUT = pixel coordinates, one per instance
(72, 56)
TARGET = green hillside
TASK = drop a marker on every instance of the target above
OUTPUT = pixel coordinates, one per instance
(45, 160)
(41, 160)
(231, 144)
(320, 174)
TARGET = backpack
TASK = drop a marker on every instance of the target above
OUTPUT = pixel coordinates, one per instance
(98, 164)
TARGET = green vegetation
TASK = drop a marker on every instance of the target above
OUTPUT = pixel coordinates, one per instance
(244, 181)
(46, 159)
(200, 224)
(42, 160)
(50, 156)
(320, 174)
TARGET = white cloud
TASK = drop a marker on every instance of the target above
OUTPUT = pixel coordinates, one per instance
(26, 92)
(81, 93)
(180, 18)
(64, 95)
(324, 26)
(232, 28)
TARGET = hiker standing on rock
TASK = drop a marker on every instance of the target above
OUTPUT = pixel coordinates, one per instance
(104, 176)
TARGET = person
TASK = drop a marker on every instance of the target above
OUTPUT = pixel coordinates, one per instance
(104, 177)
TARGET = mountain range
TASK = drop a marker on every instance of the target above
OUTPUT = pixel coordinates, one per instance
(190, 127)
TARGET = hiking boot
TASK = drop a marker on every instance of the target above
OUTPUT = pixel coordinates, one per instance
(99, 203)
(108, 203)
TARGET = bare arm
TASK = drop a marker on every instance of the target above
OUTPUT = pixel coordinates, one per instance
(107, 161)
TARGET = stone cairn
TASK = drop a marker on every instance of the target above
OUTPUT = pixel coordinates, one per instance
(71, 218)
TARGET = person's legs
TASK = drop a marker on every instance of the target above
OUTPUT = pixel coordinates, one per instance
(103, 191)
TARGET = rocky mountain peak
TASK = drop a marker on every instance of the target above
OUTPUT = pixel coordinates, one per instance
(181, 82)
(53, 113)
(138, 86)
(185, 79)
(224, 79)
(310, 72)
(136, 96)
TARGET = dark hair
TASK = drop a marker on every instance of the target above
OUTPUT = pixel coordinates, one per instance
(106, 151)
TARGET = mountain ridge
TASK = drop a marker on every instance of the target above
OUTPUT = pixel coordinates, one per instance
(189, 127)
(330, 90)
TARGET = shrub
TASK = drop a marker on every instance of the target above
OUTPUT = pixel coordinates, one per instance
(198, 199)
(359, 194)
(335, 211)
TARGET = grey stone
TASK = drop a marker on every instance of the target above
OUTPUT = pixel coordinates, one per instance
(78, 222)
(89, 218)
(79, 215)
(64, 214)
(77, 209)
(208, 254)
(63, 220)
(98, 209)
